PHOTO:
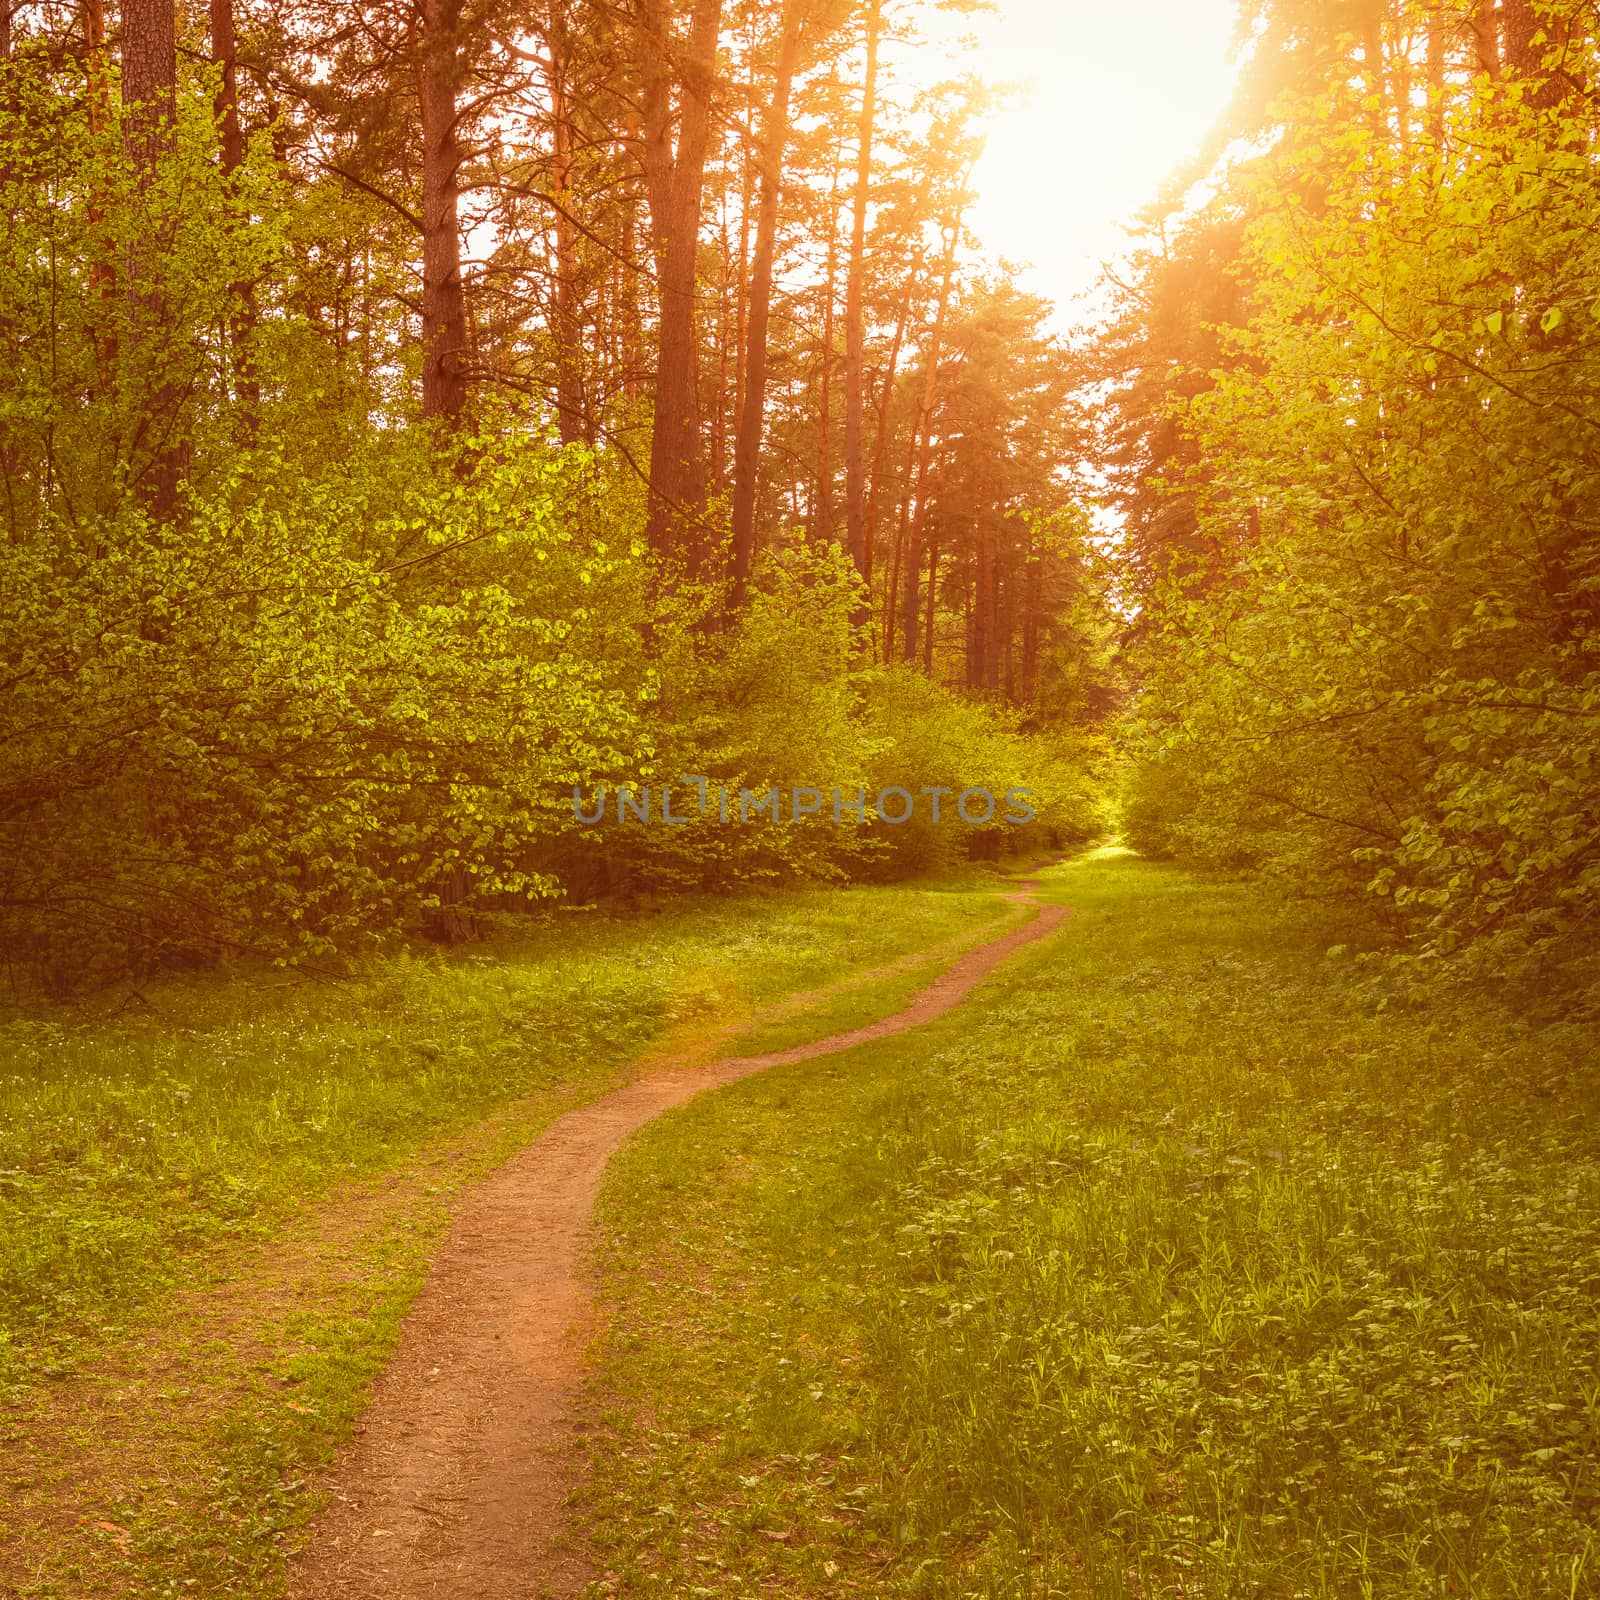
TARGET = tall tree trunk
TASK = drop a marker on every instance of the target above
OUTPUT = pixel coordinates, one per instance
(880, 462)
(102, 273)
(224, 53)
(933, 593)
(1372, 63)
(444, 317)
(677, 465)
(930, 392)
(1005, 668)
(902, 596)
(242, 320)
(1486, 37)
(149, 98)
(747, 202)
(149, 82)
(654, 129)
(9, 455)
(1031, 598)
(736, 268)
(1436, 56)
(725, 357)
(631, 338)
(567, 334)
(823, 529)
(983, 653)
(1400, 80)
(747, 450)
(881, 468)
(1521, 57)
(855, 400)
(1537, 44)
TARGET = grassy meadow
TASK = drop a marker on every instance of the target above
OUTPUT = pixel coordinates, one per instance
(217, 1200)
(1169, 1265)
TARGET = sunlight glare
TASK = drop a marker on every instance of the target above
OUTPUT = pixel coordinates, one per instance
(1114, 98)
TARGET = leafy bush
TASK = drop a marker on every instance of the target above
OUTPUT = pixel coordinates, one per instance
(249, 730)
(348, 682)
(1390, 686)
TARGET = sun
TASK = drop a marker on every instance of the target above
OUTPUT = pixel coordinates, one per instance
(1112, 99)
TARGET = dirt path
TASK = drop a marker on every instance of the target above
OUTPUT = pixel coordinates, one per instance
(456, 1486)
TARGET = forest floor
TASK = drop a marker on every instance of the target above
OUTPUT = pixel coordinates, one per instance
(466, 1460)
(1176, 1263)
(1170, 1262)
(218, 1201)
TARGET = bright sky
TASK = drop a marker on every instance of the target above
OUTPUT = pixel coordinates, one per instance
(1118, 93)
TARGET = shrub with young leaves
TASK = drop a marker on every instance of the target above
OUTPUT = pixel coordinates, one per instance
(1389, 686)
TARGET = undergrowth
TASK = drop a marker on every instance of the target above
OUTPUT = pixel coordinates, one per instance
(1164, 1267)
(132, 1145)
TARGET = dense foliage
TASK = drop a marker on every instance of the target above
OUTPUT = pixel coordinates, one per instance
(311, 633)
(1370, 660)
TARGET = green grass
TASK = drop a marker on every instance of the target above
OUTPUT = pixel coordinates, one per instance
(1166, 1266)
(126, 1145)
(217, 1210)
(863, 1003)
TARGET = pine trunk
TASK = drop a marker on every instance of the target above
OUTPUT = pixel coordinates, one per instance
(630, 338)
(102, 273)
(1486, 37)
(677, 464)
(149, 98)
(823, 529)
(444, 320)
(741, 319)
(1372, 62)
(880, 470)
(149, 81)
(1436, 56)
(855, 400)
(747, 450)
(1537, 44)
(982, 651)
(930, 392)
(1031, 597)
(242, 319)
(567, 333)
(725, 360)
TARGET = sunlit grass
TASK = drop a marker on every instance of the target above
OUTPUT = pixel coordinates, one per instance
(130, 1147)
(1164, 1267)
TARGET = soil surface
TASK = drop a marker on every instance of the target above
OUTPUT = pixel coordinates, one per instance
(457, 1485)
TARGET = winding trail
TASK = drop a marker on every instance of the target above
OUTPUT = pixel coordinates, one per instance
(457, 1483)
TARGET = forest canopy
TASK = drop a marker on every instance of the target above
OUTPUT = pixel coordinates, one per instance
(1356, 438)
(418, 411)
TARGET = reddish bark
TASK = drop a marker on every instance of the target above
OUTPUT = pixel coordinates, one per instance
(149, 98)
(924, 447)
(1538, 51)
(856, 539)
(747, 451)
(444, 317)
(1485, 26)
(677, 459)
(241, 323)
(566, 330)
